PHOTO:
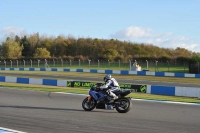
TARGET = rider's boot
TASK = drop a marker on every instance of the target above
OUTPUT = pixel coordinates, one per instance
(114, 97)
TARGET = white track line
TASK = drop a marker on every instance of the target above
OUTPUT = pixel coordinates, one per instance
(9, 130)
(161, 101)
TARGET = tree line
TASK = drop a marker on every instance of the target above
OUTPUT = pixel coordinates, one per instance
(69, 47)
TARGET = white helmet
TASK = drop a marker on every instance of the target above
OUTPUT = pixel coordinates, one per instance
(107, 77)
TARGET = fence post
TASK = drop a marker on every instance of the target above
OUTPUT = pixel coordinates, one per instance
(156, 67)
(53, 63)
(61, 62)
(38, 63)
(10, 63)
(168, 65)
(5, 63)
(89, 62)
(17, 63)
(147, 64)
(24, 63)
(31, 63)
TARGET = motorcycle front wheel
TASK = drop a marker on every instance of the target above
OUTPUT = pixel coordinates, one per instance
(124, 105)
(89, 105)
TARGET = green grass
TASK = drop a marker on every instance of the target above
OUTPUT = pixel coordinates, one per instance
(100, 75)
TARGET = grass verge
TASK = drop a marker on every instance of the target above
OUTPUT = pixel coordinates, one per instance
(101, 75)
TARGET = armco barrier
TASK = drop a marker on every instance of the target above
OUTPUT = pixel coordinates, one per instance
(151, 89)
(123, 72)
(51, 82)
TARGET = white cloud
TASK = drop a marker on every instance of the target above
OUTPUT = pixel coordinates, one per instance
(163, 40)
(10, 30)
(179, 41)
(196, 48)
(137, 32)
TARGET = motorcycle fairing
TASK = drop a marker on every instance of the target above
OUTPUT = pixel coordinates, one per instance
(96, 95)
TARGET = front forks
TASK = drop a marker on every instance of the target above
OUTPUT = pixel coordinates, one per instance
(89, 98)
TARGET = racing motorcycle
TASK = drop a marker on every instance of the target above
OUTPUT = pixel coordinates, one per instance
(101, 100)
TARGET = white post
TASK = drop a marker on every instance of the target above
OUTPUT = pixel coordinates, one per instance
(31, 63)
(62, 62)
(24, 63)
(168, 65)
(79, 62)
(156, 68)
(17, 63)
(89, 62)
(45, 64)
(5, 63)
(98, 63)
(53, 63)
(10, 63)
(108, 63)
(130, 65)
(38, 63)
(147, 64)
(70, 62)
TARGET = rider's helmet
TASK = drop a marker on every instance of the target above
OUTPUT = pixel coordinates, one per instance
(107, 77)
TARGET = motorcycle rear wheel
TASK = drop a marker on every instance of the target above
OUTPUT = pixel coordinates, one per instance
(89, 105)
(124, 105)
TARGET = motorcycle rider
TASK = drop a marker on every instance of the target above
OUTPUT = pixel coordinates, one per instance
(112, 85)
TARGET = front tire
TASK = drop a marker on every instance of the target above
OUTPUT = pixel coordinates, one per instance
(124, 105)
(89, 105)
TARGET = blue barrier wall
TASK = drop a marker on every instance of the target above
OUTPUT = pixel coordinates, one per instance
(163, 90)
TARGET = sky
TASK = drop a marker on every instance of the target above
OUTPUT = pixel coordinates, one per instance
(163, 23)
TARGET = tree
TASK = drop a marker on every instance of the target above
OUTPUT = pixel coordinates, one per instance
(11, 49)
(62, 46)
(17, 39)
(110, 54)
(136, 50)
(48, 43)
(195, 59)
(25, 43)
(59, 46)
(41, 53)
(33, 41)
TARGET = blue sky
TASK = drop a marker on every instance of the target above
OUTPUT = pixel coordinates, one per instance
(168, 24)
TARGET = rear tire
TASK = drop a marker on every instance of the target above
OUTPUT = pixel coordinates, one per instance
(124, 106)
(89, 105)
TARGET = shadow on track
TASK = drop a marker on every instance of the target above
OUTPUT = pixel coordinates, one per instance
(57, 109)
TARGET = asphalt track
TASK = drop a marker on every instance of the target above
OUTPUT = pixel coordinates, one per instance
(99, 79)
(42, 112)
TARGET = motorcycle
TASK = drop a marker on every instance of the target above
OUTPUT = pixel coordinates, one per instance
(101, 100)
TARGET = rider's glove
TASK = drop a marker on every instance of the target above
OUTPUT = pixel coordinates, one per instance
(103, 87)
(98, 88)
